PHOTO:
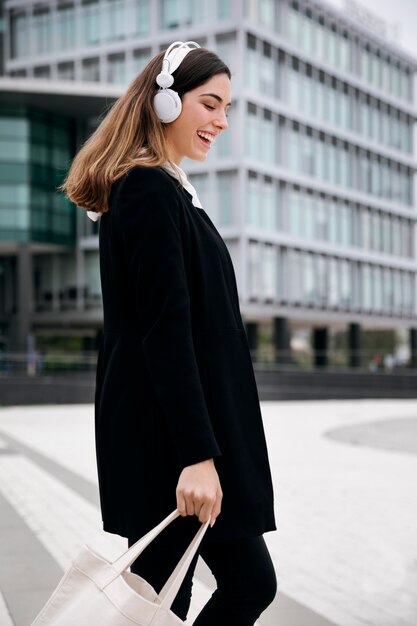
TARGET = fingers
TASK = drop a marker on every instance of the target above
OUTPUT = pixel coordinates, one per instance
(186, 503)
(181, 506)
(194, 503)
(199, 492)
(216, 508)
(206, 508)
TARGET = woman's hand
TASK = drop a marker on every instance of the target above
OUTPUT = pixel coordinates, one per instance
(199, 491)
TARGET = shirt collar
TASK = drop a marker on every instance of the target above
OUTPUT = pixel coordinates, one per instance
(180, 175)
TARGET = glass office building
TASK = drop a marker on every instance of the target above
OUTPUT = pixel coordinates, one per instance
(312, 186)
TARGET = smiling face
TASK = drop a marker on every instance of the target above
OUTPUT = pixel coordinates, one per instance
(202, 119)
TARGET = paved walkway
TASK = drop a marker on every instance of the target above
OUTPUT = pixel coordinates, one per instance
(345, 476)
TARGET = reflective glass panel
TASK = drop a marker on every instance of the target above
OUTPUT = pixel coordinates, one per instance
(65, 24)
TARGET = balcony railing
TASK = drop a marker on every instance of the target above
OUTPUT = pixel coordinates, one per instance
(40, 363)
(46, 363)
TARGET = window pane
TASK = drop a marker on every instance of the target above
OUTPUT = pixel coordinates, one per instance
(268, 140)
(140, 59)
(92, 274)
(344, 50)
(253, 134)
(309, 279)
(320, 160)
(138, 17)
(91, 23)
(344, 110)
(332, 41)
(345, 284)
(397, 290)
(223, 9)
(116, 28)
(307, 34)
(395, 81)
(346, 225)
(376, 232)
(91, 70)
(225, 49)
(293, 86)
(225, 200)
(307, 154)
(367, 296)
(42, 31)
(321, 95)
(294, 25)
(333, 222)
(405, 85)
(266, 13)
(320, 217)
(388, 295)
(14, 128)
(269, 202)
(396, 236)
(333, 289)
(378, 288)
(322, 280)
(376, 71)
(321, 42)
(255, 276)
(170, 12)
(295, 213)
(14, 195)
(252, 71)
(293, 150)
(366, 65)
(66, 27)
(267, 76)
(66, 71)
(12, 150)
(269, 271)
(332, 104)
(386, 76)
(252, 201)
(308, 96)
(116, 69)
(331, 158)
(309, 216)
(19, 35)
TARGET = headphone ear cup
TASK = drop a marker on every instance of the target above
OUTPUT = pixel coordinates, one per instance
(167, 105)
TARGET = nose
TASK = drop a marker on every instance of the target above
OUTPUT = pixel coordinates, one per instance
(222, 122)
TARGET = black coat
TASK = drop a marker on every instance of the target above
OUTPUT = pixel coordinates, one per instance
(175, 382)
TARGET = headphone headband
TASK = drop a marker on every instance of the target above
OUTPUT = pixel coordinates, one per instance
(167, 102)
(169, 63)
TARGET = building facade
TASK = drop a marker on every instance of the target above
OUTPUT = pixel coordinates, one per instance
(312, 186)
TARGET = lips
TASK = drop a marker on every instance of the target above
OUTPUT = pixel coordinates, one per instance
(205, 142)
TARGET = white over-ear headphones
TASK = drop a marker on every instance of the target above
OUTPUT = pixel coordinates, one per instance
(166, 102)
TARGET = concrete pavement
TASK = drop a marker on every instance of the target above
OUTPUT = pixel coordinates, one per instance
(345, 477)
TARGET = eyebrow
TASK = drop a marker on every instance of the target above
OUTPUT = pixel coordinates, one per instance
(214, 95)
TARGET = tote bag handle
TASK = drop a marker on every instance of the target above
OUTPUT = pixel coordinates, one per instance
(171, 587)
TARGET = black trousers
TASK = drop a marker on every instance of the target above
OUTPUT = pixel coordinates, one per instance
(243, 569)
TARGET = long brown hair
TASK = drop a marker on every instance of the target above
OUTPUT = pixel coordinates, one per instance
(132, 128)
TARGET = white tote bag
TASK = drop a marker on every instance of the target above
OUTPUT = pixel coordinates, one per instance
(96, 592)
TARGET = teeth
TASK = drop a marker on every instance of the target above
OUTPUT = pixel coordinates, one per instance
(207, 136)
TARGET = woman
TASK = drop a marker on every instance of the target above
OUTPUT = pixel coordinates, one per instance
(178, 421)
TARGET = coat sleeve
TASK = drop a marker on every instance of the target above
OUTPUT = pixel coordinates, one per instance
(148, 211)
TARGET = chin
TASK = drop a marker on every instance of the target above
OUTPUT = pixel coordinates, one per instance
(197, 156)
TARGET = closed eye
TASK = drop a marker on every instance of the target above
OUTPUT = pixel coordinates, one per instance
(212, 109)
